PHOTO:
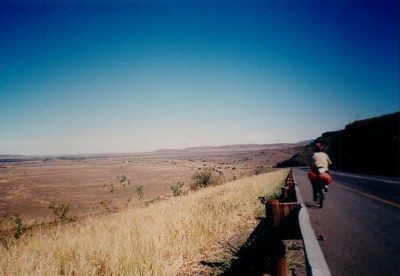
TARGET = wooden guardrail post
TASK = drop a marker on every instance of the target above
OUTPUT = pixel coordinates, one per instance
(288, 219)
(278, 262)
(284, 193)
(281, 222)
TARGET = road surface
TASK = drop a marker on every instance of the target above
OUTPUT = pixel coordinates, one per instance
(359, 225)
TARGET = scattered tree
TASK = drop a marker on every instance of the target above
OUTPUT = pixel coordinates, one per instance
(140, 192)
(123, 182)
(177, 189)
(61, 211)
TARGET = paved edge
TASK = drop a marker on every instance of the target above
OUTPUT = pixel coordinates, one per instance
(316, 263)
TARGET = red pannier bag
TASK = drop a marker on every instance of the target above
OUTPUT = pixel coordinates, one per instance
(313, 176)
(325, 178)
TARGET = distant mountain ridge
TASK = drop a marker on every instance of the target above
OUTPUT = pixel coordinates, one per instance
(204, 149)
(230, 148)
(14, 157)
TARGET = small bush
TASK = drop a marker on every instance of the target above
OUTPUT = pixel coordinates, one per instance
(61, 211)
(105, 204)
(123, 183)
(204, 178)
(140, 192)
(11, 228)
(19, 227)
(260, 170)
(177, 189)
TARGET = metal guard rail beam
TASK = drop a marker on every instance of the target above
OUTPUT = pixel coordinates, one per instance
(315, 260)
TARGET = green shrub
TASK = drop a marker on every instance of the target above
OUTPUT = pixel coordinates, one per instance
(177, 189)
(123, 183)
(19, 227)
(11, 228)
(61, 211)
(140, 192)
(204, 178)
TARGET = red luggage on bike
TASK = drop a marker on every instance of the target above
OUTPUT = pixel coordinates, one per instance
(313, 176)
(325, 177)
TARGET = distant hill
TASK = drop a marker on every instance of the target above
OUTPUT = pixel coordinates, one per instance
(14, 158)
(230, 148)
(366, 146)
(190, 150)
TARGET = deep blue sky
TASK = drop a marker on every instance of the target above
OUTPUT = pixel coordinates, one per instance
(95, 77)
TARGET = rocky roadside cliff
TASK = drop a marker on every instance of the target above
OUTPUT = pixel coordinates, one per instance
(366, 146)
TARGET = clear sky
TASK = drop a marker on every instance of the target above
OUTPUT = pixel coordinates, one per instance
(131, 76)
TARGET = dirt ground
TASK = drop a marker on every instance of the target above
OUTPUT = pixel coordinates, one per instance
(90, 184)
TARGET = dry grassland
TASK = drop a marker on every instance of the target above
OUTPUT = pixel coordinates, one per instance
(89, 185)
(166, 238)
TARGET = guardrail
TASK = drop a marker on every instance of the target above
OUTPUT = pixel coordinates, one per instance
(289, 219)
(315, 260)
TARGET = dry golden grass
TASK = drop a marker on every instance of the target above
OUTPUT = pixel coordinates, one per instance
(166, 238)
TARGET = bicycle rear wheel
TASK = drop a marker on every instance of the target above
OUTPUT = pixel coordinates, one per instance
(321, 200)
(321, 195)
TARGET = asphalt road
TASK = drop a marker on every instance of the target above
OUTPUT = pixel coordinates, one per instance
(359, 225)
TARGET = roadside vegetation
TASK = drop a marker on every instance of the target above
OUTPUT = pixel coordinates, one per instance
(165, 238)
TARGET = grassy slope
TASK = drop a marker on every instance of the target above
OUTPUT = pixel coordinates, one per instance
(165, 238)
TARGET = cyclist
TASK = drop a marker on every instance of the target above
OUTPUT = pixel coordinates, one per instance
(319, 173)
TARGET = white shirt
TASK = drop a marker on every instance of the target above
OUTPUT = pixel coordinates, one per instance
(321, 161)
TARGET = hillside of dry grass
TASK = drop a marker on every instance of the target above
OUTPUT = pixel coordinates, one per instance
(171, 237)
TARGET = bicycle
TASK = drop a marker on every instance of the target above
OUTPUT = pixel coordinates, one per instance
(320, 182)
(319, 195)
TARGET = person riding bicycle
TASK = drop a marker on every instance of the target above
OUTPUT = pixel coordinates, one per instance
(319, 174)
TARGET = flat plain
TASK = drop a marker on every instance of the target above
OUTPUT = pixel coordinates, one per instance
(92, 185)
